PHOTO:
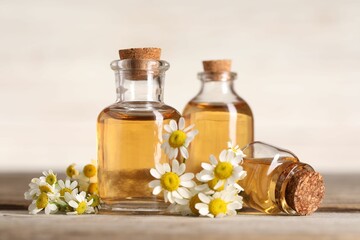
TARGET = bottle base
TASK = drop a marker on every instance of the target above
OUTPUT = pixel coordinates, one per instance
(135, 207)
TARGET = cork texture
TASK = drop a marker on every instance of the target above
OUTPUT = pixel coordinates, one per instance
(217, 66)
(140, 53)
(305, 192)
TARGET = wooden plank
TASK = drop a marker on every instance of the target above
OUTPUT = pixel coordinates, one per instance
(338, 218)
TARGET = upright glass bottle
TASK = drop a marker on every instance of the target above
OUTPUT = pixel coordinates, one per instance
(219, 114)
(277, 181)
(130, 132)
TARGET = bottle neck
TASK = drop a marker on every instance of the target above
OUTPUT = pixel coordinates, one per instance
(217, 87)
(139, 80)
(149, 89)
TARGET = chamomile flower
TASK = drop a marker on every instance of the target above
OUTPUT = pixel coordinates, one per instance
(223, 173)
(49, 177)
(43, 201)
(172, 181)
(235, 149)
(224, 203)
(88, 178)
(177, 138)
(79, 203)
(38, 186)
(189, 207)
(67, 186)
(71, 171)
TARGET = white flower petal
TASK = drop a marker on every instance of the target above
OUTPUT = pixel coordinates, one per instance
(203, 211)
(229, 156)
(184, 152)
(187, 177)
(61, 183)
(234, 205)
(198, 206)
(188, 128)
(156, 190)
(166, 137)
(188, 184)
(159, 167)
(181, 201)
(168, 128)
(204, 198)
(167, 167)
(207, 166)
(73, 184)
(213, 160)
(154, 183)
(219, 184)
(205, 177)
(192, 134)
(173, 125)
(155, 173)
(73, 204)
(181, 123)
(175, 194)
(222, 156)
(170, 197)
(175, 166)
(181, 169)
(184, 192)
(175, 152)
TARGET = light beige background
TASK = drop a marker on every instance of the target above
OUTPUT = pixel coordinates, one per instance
(298, 64)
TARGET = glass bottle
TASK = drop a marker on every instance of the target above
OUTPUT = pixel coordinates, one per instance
(218, 113)
(130, 131)
(277, 181)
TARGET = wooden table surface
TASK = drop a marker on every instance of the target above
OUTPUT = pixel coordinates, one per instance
(338, 218)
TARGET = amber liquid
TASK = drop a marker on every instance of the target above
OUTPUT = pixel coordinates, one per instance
(260, 182)
(129, 144)
(217, 124)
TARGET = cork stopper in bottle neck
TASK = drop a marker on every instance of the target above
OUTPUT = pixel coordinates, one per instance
(217, 70)
(140, 61)
(305, 191)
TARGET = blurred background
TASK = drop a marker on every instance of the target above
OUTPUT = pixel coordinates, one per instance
(298, 64)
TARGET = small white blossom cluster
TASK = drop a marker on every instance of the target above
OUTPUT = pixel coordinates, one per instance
(214, 194)
(78, 194)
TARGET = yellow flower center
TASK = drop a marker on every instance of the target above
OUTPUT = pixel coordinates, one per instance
(96, 200)
(81, 208)
(89, 170)
(193, 201)
(64, 190)
(42, 201)
(93, 188)
(177, 139)
(212, 184)
(45, 189)
(71, 171)
(217, 206)
(223, 170)
(170, 181)
(51, 179)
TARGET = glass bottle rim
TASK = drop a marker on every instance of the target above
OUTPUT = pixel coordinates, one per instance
(217, 76)
(139, 65)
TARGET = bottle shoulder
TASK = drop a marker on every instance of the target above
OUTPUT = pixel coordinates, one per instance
(139, 111)
(239, 105)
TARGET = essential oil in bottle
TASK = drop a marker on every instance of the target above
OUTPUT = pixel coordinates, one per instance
(278, 182)
(218, 113)
(130, 132)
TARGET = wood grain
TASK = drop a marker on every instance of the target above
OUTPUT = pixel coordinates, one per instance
(338, 218)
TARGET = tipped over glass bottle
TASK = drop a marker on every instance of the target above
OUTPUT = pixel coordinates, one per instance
(278, 182)
(129, 132)
(218, 113)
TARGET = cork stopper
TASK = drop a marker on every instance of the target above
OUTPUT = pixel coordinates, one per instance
(217, 66)
(140, 53)
(305, 191)
(139, 61)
